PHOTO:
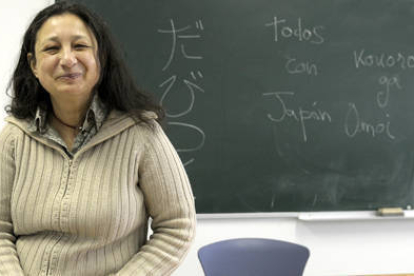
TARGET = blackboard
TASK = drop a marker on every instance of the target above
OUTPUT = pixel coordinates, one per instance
(282, 105)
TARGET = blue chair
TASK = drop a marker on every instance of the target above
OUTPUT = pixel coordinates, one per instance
(253, 257)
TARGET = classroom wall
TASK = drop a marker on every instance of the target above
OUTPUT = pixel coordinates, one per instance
(346, 247)
(337, 247)
(14, 18)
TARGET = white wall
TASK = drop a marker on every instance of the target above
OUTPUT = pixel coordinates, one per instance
(337, 248)
(14, 18)
(348, 247)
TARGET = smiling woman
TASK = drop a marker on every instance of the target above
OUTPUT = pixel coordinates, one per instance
(66, 60)
(66, 64)
(84, 162)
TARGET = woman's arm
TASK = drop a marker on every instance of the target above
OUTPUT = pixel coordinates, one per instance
(9, 261)
(170, 203)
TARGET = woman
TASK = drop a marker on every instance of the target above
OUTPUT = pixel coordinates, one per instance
(84, 163)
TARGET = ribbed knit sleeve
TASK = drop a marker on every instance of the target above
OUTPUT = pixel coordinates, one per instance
(9, 260)
(170, 203)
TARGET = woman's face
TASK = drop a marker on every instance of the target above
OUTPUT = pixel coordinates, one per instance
(66, 61)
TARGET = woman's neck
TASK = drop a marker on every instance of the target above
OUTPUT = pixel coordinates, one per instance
(67, 119)
(70, 113)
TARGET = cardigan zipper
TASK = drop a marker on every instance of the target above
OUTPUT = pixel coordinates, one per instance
(51, 257)
(67, 178)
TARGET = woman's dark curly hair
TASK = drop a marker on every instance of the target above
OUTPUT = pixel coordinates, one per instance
(116, 87)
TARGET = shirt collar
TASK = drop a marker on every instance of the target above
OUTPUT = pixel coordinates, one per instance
(95, 115)
(39, 123)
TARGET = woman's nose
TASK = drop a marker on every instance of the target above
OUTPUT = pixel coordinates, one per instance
(68, 58)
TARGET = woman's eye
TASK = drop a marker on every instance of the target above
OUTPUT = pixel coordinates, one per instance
(81, 46)
(51, 48)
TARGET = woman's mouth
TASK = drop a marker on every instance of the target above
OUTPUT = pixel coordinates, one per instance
(70, 77)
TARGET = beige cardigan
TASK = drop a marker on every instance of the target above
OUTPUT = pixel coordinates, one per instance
(88, 215)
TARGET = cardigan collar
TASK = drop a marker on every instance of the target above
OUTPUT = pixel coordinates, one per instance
(115, 123)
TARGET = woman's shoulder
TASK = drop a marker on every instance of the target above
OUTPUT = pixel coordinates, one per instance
(118, 122)
(146, 126)
(13, 128)
(14, 124)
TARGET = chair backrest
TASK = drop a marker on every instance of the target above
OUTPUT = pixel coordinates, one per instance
(253, 257)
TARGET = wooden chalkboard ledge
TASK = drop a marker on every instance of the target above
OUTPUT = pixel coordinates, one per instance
(311, 216)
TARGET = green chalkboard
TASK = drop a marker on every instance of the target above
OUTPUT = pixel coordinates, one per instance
(282, 105)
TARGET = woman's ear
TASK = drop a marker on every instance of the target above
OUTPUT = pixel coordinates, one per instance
(32, 62)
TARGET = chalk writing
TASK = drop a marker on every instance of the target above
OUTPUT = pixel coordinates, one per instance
(301, 115)
(354, 125)
(284, 31)
(174, 83)
(176, 35)
(383, 96)
(192, 87)
(195, 148)
(382, 60)
(293, 66)
(198, 131)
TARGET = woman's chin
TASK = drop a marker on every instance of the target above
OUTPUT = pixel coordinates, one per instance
(72, 92)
